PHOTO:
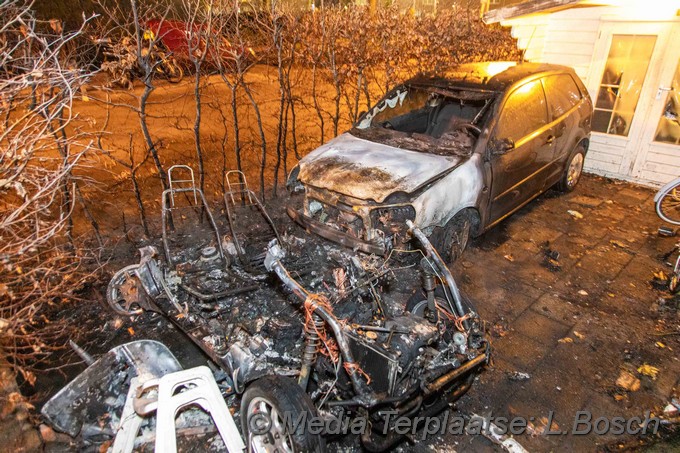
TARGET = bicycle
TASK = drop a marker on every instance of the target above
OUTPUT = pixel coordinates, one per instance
(667, 204)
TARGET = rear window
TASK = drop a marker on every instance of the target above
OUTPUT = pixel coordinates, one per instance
(562, 93)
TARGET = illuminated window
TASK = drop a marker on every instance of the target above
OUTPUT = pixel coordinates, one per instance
(622, 81)
(523, 113)
(668, 130)
(562, 93)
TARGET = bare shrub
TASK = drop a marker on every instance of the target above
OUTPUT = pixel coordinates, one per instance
(41, 148)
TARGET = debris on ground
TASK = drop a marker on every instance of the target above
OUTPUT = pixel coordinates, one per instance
(499, 330)
(673, 408)
(509, 258)
(628, 381)
(666, 231)
(542, 426)
(648, 370)
(583, 292)
(619, 244)
(551, 258)
(496, 436)
(565, 340)
(575, 214)
(659, 280)
(519, 376)
(579, 335)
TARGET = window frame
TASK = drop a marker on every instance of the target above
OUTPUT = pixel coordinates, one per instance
(508, 96)
(549, 98)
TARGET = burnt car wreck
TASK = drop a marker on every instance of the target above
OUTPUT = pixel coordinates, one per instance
(360, 336)
(455, 154)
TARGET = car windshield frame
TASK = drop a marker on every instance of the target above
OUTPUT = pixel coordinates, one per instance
(437, 121)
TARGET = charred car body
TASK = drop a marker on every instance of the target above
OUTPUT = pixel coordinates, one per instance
(456, 154)
(359, 336)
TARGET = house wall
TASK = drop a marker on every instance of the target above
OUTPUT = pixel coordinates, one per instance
(569, 37)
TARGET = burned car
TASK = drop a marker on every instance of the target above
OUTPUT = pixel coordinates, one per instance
(304, 328)
(455, 153)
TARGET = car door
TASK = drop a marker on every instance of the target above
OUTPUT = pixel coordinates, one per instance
(564, 99)
(520, 150)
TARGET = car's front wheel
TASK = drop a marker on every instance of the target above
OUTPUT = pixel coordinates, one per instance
(275, 413)
(452, 240)
(573, 170)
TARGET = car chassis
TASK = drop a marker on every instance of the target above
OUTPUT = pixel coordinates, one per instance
(365, 348)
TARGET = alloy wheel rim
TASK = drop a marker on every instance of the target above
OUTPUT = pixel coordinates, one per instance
(575, 168)
(276, 439)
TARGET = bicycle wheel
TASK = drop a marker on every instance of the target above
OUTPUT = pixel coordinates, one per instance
(668, 205)
(173, 71)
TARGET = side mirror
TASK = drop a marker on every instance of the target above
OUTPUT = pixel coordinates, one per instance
(502, 146)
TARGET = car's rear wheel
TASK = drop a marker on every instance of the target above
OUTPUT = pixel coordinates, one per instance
(573, 170)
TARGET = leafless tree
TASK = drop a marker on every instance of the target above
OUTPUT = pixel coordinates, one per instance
(41, 149)
(127, 29)
(200, 35)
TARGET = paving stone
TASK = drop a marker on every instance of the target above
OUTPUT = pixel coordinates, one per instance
(616, 329)
(639, 193)
(540, 328)
(520, 351)
(556, 308)
(586, 201)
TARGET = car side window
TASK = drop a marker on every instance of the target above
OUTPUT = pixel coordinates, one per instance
(524, 112)
(562, 93)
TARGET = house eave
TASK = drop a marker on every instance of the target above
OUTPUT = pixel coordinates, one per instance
(534, 7)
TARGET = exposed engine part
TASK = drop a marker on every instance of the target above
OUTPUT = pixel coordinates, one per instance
(315, 330)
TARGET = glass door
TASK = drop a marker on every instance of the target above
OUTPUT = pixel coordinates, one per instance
(625, 61)
(658, 159)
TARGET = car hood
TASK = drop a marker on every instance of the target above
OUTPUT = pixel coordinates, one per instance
(371, 171)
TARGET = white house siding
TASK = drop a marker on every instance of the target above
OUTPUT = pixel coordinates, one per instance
(569, 37)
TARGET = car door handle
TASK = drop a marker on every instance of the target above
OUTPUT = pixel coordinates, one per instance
(550, 139)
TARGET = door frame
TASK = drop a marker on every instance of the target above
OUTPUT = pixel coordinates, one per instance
(655, 106)
(608, 28)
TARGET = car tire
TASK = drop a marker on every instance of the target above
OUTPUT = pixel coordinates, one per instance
(276, 396)
(452, 240)
(114, 291)
(573, 170)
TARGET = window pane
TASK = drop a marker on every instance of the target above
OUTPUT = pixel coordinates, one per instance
(622, 81)
(523, 112)
(601, 120)
(668, 130)
(606, 98)
(562, 93)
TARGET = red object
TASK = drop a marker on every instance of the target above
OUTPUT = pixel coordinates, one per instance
(175, 36)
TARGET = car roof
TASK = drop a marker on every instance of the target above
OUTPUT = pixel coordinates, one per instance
(488, 76)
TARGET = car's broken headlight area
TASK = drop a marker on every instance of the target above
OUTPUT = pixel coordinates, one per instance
(371, 228)
(389, 222)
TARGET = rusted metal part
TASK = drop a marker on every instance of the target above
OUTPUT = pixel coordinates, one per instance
(452, 375)
(166, 213)
(334, 235)
(239, 194)
(273, 264)
(221, 294)
(441, 267)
